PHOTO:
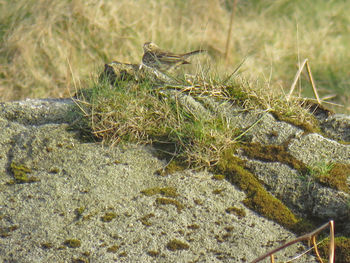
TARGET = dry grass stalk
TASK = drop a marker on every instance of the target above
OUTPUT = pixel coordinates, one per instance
(312, 82)
(309, 237)
(297, 76)
(227, 49)
(37, 38)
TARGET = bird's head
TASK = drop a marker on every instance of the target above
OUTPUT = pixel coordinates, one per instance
(149, 47)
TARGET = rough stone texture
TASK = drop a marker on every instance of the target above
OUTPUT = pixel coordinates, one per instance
(80, 182)
(265, 130)
(337, 127)
(303, 195)
(299, 191)
(313, 148)
(38, 112)
(123, 71)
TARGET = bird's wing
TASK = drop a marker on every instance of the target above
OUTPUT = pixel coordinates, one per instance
(167, 57)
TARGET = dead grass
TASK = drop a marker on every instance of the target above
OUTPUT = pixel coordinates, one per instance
(38, 38)
(196, 126)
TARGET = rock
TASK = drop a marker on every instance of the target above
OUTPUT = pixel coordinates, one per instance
(117, 71)
(88, 203)
(337, 127)
(303, 195)
(314, 148)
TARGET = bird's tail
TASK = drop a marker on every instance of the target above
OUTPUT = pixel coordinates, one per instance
(186, 55)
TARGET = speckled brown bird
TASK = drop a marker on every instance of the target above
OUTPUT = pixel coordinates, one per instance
(162, 60)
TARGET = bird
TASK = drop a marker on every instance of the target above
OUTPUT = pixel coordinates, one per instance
(156, 58)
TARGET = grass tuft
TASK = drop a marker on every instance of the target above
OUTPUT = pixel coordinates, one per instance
(193, 118)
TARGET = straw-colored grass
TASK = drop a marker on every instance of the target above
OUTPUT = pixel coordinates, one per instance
(38, 38)
(198, 126)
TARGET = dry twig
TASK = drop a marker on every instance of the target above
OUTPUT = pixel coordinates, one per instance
(309, 237)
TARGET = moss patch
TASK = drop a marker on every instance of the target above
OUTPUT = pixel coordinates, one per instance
(218, 191)
(172, 167)
(258, 198)
(311, 127)
(169, 201)
(54, 170)
(6, 231)
(273, 153)
(193, 226)
(113, 249)
(21, 173)
(153, 253)
(342, 249)
(236, 211)
(175, 244)
(145, 219)
(337, 177)
(165, 191)
(79, 212)
(80, 260)
(72, 243)
(47, 245)
(108, 217)
(218, 177)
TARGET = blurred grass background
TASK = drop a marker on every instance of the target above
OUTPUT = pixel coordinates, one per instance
(46, 45)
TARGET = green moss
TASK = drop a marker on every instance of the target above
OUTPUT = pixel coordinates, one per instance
(218, 177)
(86, 253)
(257, 198)
(79, 212)
(165, 191)
(235, 210)
(229, 228)
(336, 178)
(218, 191)
(237, 94)
(311, 127)
(229, 161)
(223, 237)
(273, 153)
(168, 201)
(342, 249)
(151, 191)
(89, 216)
(108, 217)
(153, 253)
(6, 231)
(113, 249)
(175, 244)
(172, 167)
(46, 245)
(20, 173)
(145, 219)
(54, 170)
(80, 260)
(198, 201)
(193, 226)
(72, 243)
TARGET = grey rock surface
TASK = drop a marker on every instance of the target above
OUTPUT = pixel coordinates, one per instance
(303, 195)
(337, 127)
(92, 193)
(298, 190)
(261, 126)
(314, 148)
